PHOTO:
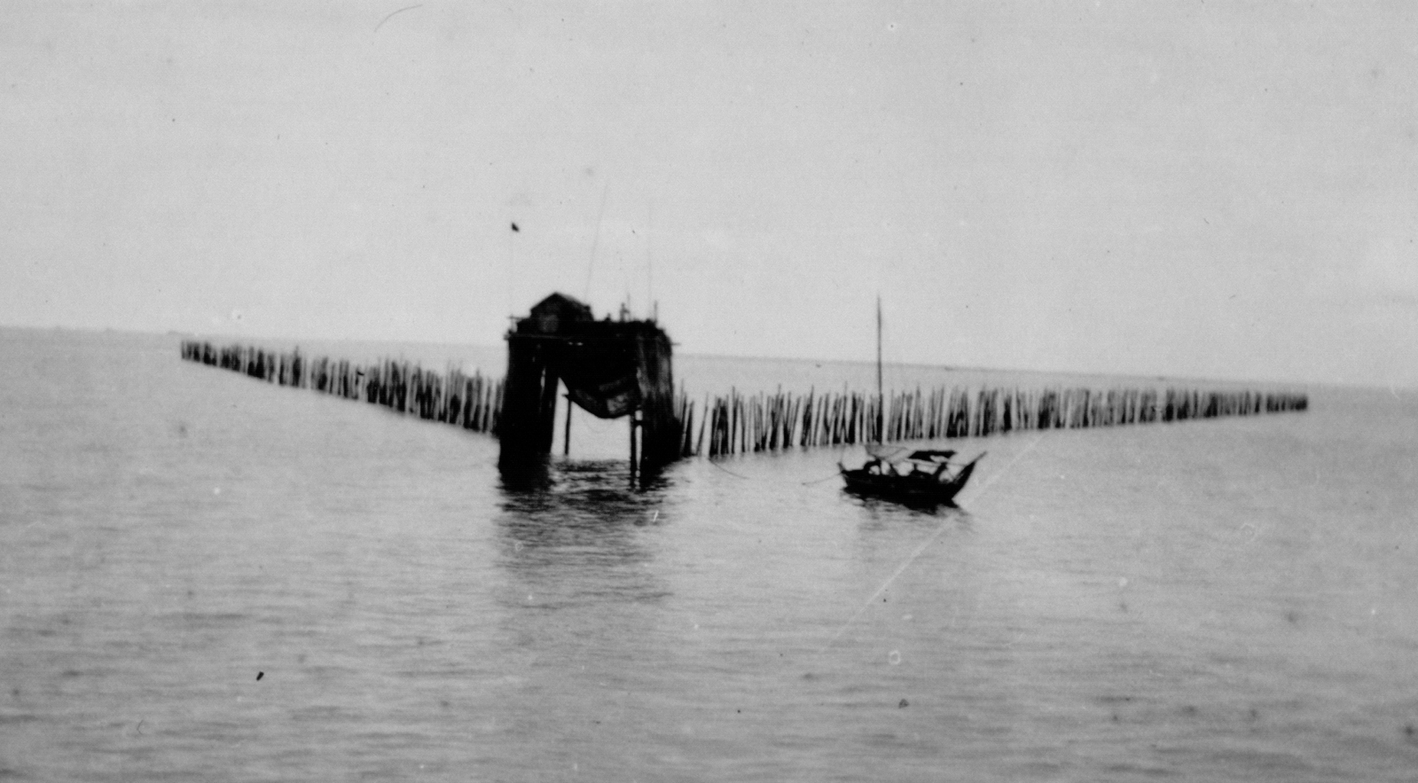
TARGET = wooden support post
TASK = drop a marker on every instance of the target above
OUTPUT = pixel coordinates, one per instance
(634, 446)
(547, 415)
(566, 437)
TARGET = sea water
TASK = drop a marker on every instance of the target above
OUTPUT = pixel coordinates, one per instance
(206, 577)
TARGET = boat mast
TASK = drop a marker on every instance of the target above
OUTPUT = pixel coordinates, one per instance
(880, 397)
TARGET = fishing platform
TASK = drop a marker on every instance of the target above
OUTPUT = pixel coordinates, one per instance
(609, 368)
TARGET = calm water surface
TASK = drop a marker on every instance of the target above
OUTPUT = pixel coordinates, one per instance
(1222, 600)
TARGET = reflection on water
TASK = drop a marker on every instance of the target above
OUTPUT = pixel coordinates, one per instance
(540, 474)
(572, 529)
(908, 507)
(582, 599)
(582, 502)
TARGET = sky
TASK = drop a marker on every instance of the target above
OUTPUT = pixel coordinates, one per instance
(1202, 189)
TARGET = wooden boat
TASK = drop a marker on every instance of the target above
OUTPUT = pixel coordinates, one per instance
(921, 475)
(898, 473)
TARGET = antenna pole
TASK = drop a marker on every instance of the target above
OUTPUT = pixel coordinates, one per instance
(596, 240)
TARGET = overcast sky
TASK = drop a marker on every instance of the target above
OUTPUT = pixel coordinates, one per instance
(1183, 188)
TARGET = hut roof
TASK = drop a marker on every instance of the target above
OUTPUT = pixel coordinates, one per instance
(564, 307)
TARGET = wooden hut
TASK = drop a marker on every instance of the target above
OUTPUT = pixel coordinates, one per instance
(608, 368)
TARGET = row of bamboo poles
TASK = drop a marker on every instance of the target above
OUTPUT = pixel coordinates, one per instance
(470, 401)
(739, 423)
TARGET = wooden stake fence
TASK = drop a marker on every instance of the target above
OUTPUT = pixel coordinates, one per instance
(470, 401)
(736, 423)
(739, 423)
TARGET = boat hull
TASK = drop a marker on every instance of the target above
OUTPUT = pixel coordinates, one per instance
(915, 489)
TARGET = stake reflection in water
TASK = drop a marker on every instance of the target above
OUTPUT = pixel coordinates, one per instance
(578, 514)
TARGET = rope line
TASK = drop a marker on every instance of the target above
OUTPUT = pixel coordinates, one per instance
(716, 464)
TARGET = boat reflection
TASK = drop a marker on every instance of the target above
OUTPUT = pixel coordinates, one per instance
(898, 507)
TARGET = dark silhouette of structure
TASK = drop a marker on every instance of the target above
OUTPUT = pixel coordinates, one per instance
(609, 368)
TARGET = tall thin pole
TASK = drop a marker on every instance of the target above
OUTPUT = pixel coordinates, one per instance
(880, 395)
(596, 240)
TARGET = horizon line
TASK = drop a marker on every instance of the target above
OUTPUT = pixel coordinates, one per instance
(738, 357)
